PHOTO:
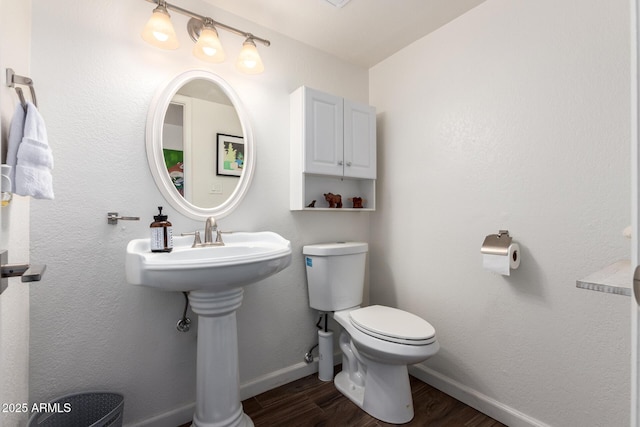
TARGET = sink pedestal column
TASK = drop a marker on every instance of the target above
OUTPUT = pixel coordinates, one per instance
(218, 380)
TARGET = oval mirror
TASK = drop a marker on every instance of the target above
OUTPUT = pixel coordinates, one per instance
(199, 145)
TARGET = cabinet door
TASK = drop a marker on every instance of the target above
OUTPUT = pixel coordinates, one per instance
(323, 138)
(359, 140)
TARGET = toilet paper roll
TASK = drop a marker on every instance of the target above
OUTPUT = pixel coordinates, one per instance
(503, 264)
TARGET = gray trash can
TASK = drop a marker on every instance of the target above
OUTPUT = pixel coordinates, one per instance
(94, 409)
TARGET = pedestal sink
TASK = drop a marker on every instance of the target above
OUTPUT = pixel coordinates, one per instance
(213, 276)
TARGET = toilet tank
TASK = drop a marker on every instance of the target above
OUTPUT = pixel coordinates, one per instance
(335, 274)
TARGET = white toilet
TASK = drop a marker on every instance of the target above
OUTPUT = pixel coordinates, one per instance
(377, 342)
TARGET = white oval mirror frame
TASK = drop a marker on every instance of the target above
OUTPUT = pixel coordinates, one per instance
(155, 158)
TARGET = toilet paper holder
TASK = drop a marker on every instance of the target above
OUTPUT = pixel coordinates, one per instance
(497, 244)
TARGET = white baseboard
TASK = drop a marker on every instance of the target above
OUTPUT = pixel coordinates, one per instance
(173, 418)
(485, 404)
(249, 389)
(277, 378)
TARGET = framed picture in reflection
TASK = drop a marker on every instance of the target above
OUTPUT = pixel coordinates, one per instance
(230, 153)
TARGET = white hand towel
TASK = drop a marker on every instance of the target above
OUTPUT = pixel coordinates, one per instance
(34, 159)
(34, 127)
(16, 132)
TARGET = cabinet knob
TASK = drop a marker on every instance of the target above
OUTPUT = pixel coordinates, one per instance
(340, 162)
(348, 163)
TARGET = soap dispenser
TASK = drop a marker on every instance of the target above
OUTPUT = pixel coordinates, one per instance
(161, 233)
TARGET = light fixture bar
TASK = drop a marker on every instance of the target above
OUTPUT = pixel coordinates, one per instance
(215, 23)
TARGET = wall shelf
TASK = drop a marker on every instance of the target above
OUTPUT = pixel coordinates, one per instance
(613, 279)
(310, 187)
(338, 210)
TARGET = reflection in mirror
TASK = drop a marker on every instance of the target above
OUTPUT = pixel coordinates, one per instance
(202, 144)
(199, 145)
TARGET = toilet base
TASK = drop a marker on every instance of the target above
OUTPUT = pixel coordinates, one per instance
(386, 394)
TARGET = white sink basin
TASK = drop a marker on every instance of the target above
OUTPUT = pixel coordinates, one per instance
(246, 258)
(214, 277)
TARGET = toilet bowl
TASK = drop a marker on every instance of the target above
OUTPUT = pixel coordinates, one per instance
(374, 363)
(377, 342)
(388, 334)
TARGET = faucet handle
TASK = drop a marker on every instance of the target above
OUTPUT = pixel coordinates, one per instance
(196, 241)
(219, 238)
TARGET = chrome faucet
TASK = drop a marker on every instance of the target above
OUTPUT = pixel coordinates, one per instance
(210, 227)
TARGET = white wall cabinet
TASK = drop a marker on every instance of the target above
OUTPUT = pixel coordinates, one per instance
(359, 140)
(333, 150)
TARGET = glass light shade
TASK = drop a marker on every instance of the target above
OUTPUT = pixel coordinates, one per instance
(159, 31)
(249, 60)
(208, 47)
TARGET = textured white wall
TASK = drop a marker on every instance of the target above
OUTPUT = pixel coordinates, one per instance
(519, 114)
(514, 116)
(95, 79)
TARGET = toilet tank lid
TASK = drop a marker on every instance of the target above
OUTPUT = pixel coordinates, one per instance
(337, 248)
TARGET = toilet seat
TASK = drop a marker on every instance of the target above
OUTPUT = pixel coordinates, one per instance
(392, 324)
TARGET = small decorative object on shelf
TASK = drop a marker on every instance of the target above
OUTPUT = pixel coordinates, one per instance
(357, 202)
(334, 200)
(312, 204)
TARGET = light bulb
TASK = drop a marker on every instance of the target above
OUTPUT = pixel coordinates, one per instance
(208, 47)
(159, 31)
(249, 60)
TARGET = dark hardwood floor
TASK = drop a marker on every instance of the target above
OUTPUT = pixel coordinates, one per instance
(309, 402)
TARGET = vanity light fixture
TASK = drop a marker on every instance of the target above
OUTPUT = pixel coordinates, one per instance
(249, 60)
(159, 31)
(204, 32)
(208, 46)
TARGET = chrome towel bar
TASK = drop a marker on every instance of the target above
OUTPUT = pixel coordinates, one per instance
(113, 217)
(13, 79)
(28, 273)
